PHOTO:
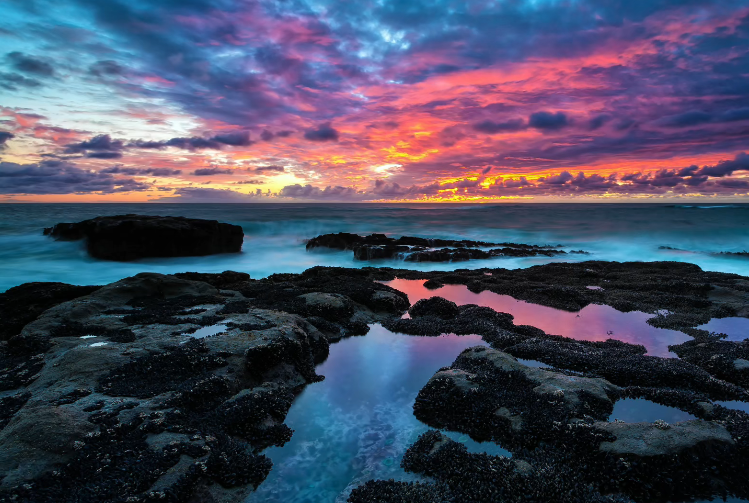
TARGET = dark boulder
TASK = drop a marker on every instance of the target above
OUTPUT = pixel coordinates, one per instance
(130, 237)
(435, 306)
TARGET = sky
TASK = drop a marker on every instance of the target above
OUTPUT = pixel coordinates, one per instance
(374, 101)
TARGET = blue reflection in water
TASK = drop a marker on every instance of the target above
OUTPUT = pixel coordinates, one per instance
(737, 329)
(357, 424)
(639, 410)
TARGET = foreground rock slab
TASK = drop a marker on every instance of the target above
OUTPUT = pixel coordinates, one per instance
(169, 388)
(159, 388)
(130, 237)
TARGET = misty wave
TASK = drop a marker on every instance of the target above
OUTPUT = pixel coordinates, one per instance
(275, 236)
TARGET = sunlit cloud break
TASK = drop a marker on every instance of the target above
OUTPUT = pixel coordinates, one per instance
(264, 101)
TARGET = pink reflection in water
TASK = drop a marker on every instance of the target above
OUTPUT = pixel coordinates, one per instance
(592, 323)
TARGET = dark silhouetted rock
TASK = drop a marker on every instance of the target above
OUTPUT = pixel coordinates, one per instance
(130, 237)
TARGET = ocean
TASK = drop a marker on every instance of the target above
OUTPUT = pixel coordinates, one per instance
(275, 235)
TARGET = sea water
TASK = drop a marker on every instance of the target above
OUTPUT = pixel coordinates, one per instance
(357, 423)
(275, 236)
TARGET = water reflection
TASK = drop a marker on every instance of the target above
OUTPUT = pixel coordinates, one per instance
(592, 323)
(737, 329)
(357, 424)
(639, 410)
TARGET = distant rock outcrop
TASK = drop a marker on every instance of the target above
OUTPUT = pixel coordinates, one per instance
(130, 237)
(416, 249)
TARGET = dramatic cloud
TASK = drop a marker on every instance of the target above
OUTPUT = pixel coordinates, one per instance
(401, 100)
(57, 177)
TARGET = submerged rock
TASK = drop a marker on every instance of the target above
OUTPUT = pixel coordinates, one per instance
(130, 237)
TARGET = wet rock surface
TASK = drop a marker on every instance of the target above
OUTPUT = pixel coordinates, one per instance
(130, 237)
(416, 249)
(555, 423)
(169, 388)
(113, 398)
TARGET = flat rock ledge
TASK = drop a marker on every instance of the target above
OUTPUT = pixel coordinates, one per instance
(131, 237)
(161, 388)
(416, 249)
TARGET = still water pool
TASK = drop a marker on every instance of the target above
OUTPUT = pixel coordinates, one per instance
(594, 322)
(357, 424)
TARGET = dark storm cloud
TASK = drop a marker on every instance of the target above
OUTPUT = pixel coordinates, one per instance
(298, 191)
(5, 136)
(212, 171)
(217, 142)
(30, 65)
(324, 132)
(104, 155)
(276, 169)
(59, 177)
(121, 170)
(235, 139)
(548, 121)
(491, 127)
(194, 143)
(100, 143)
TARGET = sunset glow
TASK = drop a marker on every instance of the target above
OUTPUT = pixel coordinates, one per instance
(265, 101)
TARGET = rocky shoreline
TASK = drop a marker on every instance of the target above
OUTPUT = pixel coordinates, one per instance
(168, 388)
